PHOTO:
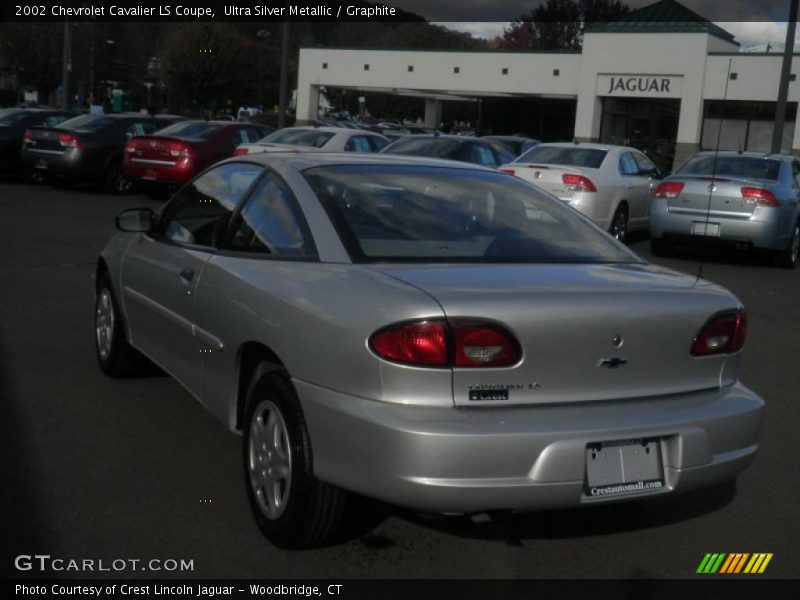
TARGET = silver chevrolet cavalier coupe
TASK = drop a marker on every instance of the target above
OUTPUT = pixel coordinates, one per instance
(433, 334)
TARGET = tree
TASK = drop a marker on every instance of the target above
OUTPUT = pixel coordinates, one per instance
(558, 24)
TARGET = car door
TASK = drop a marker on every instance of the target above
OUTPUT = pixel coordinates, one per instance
(636, 192)
(161, 271)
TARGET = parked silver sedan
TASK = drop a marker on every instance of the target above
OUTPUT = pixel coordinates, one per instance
(433, 334)
(320, 139)
(609, 184)
(739, 198)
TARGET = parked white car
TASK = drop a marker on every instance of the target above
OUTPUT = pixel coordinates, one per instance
(611, 185)
(323, 139)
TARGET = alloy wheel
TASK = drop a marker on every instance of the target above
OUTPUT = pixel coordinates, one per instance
(269, 459)
(104, 323)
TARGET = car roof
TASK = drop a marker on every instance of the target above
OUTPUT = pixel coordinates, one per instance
(588, 145)
(331, 129)
(745, 154)
(301, 161)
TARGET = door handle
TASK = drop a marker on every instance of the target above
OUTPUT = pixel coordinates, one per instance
(187, 274)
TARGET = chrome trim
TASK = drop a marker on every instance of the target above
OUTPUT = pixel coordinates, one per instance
(150, 161)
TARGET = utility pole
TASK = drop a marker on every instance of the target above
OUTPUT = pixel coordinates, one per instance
(66, 67)
(783, 88)
(285, 75)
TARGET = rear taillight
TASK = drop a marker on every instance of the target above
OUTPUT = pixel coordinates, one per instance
(508, 171)
(179, 150)
(723, 334)
(439, 343)
(578, 183)
(421, 343)
(669, 189)
(759, 196)
(240, 151)
(130, 147)
(69, 140)
(27, 137)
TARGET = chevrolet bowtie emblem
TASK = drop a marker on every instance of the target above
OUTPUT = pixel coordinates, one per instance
(612, 362)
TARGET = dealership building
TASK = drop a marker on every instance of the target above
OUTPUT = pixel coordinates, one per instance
(662, 79)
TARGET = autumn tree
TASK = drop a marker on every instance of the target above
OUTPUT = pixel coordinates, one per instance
(558, 24)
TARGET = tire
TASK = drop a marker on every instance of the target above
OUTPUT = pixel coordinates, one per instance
(660, 247)
(36, 177)
(292, 507)
(619, 224)
(116, 181)
(788, 258)
(116, 357)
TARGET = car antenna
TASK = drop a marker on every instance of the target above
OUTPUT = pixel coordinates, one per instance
(712, 185)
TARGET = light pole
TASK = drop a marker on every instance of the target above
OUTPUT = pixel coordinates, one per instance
(66, 67)
(284, 75)
(783, 88)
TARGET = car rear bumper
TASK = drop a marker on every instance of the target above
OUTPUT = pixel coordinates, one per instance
(465, 460)
(766, 228)
(151, 173)
(69, 166)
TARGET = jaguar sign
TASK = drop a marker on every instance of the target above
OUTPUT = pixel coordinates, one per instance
(649, 86)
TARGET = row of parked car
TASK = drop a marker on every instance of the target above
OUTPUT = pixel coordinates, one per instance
(746, 199)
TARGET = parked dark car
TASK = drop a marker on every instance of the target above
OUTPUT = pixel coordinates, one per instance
(514, 143)
(87, 148)
(453, 147)
(13, 124)
(158, 163)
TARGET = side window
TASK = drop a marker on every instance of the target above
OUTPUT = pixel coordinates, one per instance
(358, 143)
(627, 166)
(377, 143)
(54, 120)
(483, 155)
(200, 212)
(644, 164)
(503, 156)
(271, 223)
(139, 128)
(246, 135)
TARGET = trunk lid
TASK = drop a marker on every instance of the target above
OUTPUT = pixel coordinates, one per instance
(159, 150)
(550, 177)
(719, 196)
(567, 318)
(45, 140)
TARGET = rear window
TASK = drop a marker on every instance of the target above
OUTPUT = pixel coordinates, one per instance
(311, 138)
(86, 123)
(390, 213)
(191, 129)
(9, 116)
(431, 147)
(746, 167)
(590, 158)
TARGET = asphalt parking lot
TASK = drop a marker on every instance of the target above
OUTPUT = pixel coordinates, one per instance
(106, 469)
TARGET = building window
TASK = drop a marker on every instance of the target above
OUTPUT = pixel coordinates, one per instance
(745, 125)
(324, 65)
(556, 72)
(792, 77)
(410, 68)
(366, 67)
(505, 71)
(734, 76)
(456, 69)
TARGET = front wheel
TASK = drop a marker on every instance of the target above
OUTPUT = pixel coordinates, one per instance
(291, 506)
(619, 224)
(788, 258)
(116, 357)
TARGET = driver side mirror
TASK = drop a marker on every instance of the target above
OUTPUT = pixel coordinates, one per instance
(135, 220)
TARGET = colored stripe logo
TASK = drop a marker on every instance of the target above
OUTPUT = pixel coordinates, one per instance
(734, 563)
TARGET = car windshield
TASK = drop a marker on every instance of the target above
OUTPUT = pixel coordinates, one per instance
(9, 116)
(573, 156)
(424, 146)
(312, 138)
(409, 213)
(746, 167)
(191, 129)
(86, 123)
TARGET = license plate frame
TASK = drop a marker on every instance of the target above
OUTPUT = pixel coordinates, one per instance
(705, 229)
(150, 175)
(623, 467)
(41, 164)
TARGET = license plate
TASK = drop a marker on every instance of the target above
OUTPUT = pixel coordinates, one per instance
(703, 228)
(623, 467)
(150, 174)
(40, 164)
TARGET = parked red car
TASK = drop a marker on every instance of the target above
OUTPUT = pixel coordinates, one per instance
(174, 155)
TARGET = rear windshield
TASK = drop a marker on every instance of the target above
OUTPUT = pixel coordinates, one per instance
(86, 123)
(9, 116)
(408, 213)
(746, 167)
(310, 138)
(191, 129)
(421, 146)
(590, 158)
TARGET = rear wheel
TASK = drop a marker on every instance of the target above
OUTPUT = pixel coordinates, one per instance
(291, 506)
(116, 357)
(619, 223)
(116, 181)
(788, 258)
